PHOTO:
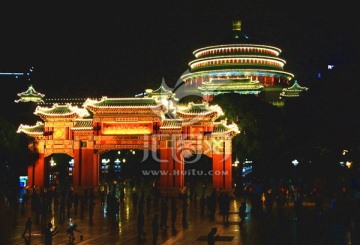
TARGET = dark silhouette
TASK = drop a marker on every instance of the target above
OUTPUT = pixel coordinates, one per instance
(49, 234)
(62, 209)
(225, 207)
(141, 202)
(184, 210)
(148, 204)
(212, 205)
(91, 211)
(27, 240)
(82, 206)
(242, 214)
(75, 202)
(164, 214)
(69, 204)
(28, 224)
(134, 199)
(140, 225)
(71, 230)
(155, 228)
(173, 213)
(211, 238)
(202, 205)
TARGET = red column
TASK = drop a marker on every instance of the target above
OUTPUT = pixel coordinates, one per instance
(30, 174)
(76, 171)
(171, 168)
(228, 172)
(178, 168)
(217, 168)
(96, 168)
(38, 172)
(87, 168)
(222, 170)
(165, 162)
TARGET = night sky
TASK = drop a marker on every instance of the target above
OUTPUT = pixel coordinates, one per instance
(123, 49)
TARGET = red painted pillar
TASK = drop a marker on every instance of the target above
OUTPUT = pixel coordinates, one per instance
(96, 168)
(222, 168)
(86, 168)
(217, 168)
(228, 172)
(178, 167)
(30, 174)
(165, 162)
(76, 171)
(38, 172)
(171, 168)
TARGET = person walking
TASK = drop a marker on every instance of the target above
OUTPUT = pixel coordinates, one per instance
(164, 214)
(184, 210)
(62, 209)
(28, 224)
(155, 228)
(91, 211)
(48, 235)
(242, 214)
(82, 206)
(140, 225)
(148, 204)
(75, 202)
(225, 207)
(202, 205)
(71, 230)
(211, 238)
(173, 213)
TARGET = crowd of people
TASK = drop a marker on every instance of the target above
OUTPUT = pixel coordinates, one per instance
(256, 200)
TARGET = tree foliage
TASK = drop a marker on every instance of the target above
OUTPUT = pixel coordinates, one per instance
(313, 128)
(13, 152)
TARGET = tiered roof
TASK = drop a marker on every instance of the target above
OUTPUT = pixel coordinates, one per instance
(161, 92)
(171, 124)
(114, 105)
(34, 130)
(294, 91)
(30, 95)
(56, 111)
(223, 127)
(182, 115)
(83, 124)
(199, 110)
(236, 85)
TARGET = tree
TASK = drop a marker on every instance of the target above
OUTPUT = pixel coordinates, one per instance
(262, 138)
(12, 156)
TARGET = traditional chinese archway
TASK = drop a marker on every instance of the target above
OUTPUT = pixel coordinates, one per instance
(152, 123)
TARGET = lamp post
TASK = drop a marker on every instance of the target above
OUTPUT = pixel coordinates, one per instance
(117, 166)
(105, 167)
(295, 163)
(52, 165)
(236, 165)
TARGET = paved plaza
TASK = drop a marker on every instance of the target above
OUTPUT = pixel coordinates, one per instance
(265, 229)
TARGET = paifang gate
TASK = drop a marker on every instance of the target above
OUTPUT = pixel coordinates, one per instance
(154, 123)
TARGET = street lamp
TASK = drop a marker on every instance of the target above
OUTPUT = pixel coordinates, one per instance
(236, 163)
(236, 173)
(117, 166)
(52, 165)
(105, 166)
(71, 166)
(295, 163)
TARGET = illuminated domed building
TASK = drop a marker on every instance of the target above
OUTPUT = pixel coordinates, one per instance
(238, 68)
